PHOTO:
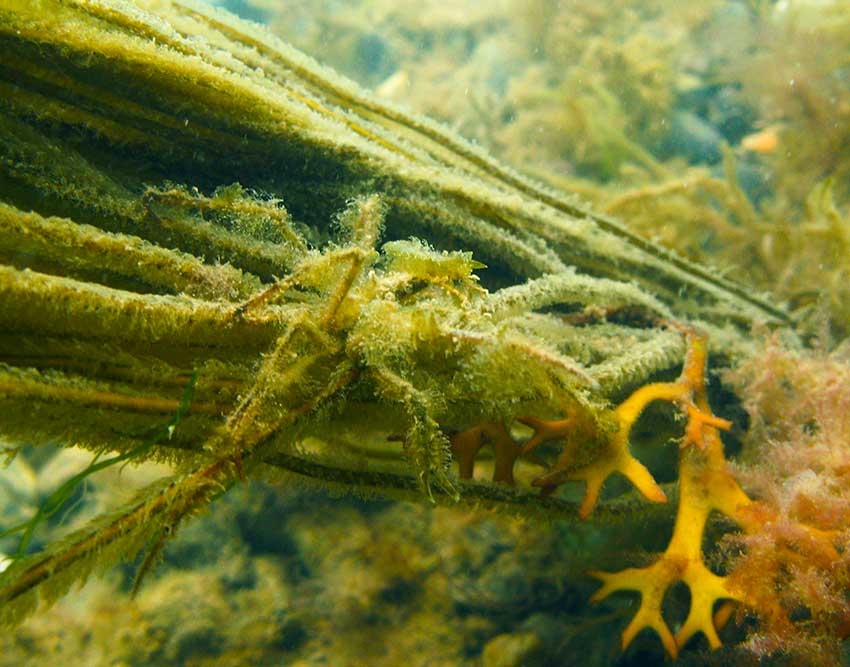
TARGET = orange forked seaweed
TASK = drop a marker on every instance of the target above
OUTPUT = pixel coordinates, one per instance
(705, 485)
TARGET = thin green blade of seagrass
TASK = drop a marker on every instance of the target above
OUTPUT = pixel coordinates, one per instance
(46, 576)
(58, 498)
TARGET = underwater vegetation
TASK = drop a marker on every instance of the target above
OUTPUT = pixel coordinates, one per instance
(220, 256)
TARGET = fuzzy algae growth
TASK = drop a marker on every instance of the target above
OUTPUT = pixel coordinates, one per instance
(187, 202)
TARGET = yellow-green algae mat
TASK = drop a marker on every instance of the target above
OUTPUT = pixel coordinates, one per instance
(217, 253)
